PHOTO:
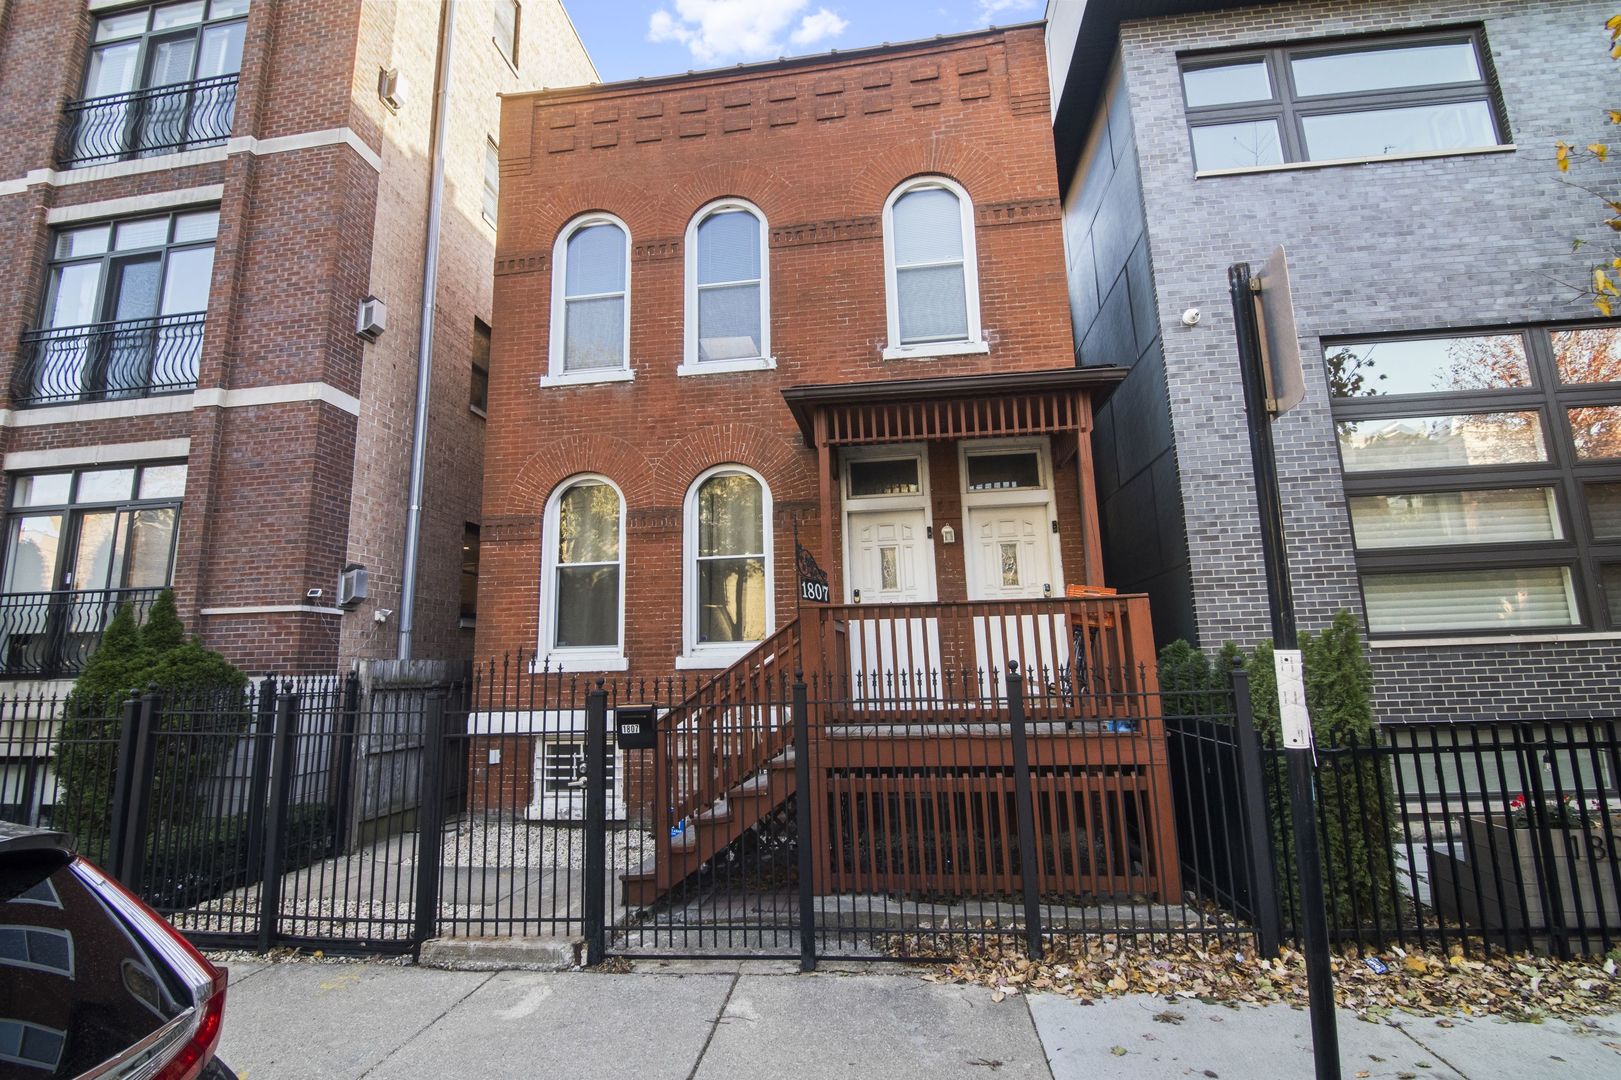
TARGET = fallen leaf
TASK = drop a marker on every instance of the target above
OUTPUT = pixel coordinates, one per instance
(1118, 1051)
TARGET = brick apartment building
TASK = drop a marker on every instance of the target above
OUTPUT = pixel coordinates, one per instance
(710, 287)
(1453, 476)
(200, 195)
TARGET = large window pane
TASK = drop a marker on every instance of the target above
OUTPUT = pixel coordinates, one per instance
(1611, 578)
(1469, 600)
(151, 544)
(730, 516)
(731, 600)
(1596, 430)
(588, 524)
(105, 485)
(1385, 69)
(1418, 129)
(933, 304)
(594, 334)
(41, 489)
(31, 553)
(1439, 518)
(185, 284)
(163, 481)
(1246, 144)
(729, 322)
(1437, 442)
(1604, 510)
(99, 550)
(728, 248)
(1228, 84)
(1588, 356)
(995, 472)
(596, 261)
(1437, 365)
(587, 606)
(928, 227)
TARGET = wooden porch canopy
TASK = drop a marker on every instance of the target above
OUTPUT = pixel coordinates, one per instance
(949, 409)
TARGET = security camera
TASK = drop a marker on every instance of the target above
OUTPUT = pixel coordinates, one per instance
(381, 614)
(313, 594)
(1190, 317)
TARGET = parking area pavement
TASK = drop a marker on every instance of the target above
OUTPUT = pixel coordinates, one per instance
(761, 1021)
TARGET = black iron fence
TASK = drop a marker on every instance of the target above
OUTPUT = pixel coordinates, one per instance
(109, 361)
(156, 120)
(50, 634)
(811, 819)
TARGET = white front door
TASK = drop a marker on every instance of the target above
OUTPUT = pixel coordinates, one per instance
(1011, 553)
(1011, 558)
(891, 561)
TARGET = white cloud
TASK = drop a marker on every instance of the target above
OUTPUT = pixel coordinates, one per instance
(742, 29)
(820, 24)
(991, 10)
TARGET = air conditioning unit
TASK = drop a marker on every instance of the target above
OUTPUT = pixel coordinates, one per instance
(372, 318)
(352, 586)
(391, 87)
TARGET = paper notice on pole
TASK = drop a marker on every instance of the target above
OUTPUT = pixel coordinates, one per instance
(1292, 712)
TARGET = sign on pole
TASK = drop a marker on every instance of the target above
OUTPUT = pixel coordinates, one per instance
(1280, 342)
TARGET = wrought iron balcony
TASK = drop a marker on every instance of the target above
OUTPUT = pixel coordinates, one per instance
(108, 361)
(142, 123)
(50, 634)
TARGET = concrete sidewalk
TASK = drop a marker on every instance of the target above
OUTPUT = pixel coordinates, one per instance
(760, 1021)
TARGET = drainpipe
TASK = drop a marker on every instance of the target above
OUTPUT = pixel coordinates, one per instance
(430, 289)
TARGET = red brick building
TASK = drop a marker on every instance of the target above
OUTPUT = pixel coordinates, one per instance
(824, 294)
(198, 197)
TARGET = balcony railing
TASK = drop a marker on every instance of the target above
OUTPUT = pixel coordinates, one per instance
(108, 361)
(158, 120)
(50, 634)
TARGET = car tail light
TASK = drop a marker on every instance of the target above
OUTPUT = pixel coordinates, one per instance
(191, 1046)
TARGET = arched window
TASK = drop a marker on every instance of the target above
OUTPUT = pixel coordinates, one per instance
(931, 275)
(582, 591)
(728, 574)
(728, 290)
(590, 338)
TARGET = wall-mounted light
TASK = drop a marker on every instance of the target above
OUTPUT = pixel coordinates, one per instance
(1047, 590)
(856, 596)
(948, 535)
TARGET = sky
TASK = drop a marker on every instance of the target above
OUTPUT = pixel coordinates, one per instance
(631, 38)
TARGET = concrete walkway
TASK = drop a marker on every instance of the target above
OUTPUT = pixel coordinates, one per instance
(760, 1021)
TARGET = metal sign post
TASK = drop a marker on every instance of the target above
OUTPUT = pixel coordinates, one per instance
(1273, 384)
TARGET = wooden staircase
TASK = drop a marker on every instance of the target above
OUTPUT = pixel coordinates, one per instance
(726, 755)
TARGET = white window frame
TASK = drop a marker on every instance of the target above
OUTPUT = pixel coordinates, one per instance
(556, 375)
(712, 654)
(975, 342)
(570, 806)
(690, 363)
(547, 654)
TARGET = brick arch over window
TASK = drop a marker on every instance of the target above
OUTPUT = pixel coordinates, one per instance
(544, 217)
(770, 455)
(884, 171)
(556, 461)
(780, 201)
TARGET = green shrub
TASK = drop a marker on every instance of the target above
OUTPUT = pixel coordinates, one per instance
(191, 742)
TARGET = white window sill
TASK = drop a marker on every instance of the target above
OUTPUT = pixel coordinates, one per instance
(1329, 163)
(1494, 639)
(721, 367)
(944, 348)
(579, 663)
(585, 378)
(712, 661)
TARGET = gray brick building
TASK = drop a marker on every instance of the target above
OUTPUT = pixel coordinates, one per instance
(1462, 420)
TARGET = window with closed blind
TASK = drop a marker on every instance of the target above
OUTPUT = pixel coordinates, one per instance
(728, 290)
(1482, 475)
(931, 273)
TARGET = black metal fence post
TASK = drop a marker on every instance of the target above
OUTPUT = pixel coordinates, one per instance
(343, 764)
(1546, 861)
(264, 720)
(143, 764)
(430, 818)
(123, 782)
(1025, 811)
(596, 824)
(280, 790)
(1258, 838)
(802, 825)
